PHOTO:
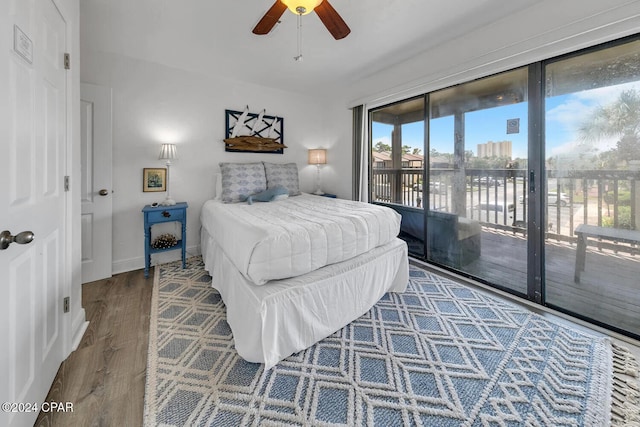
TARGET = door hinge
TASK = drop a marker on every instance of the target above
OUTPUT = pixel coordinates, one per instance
(66, 183)
(65, 305)
(67, 61)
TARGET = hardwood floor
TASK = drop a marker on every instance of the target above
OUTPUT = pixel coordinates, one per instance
(105, 377)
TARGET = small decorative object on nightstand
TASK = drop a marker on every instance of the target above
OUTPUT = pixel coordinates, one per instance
(157, 215)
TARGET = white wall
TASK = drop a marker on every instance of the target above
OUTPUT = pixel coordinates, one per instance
(547, 29)
(154, 104)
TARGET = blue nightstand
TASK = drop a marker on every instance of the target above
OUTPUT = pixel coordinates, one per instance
(158, 215)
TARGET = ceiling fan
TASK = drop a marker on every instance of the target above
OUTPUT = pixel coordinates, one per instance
(327, 14)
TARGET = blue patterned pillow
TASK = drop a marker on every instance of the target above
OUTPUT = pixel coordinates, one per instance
(285, 175)
(241, 180)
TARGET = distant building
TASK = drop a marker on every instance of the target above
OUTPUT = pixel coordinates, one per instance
(412, 160)
(495, 149)
(382, 160)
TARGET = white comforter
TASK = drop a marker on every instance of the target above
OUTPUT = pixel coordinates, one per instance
(287, 238)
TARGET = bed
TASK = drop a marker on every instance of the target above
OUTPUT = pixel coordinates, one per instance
(294, 271)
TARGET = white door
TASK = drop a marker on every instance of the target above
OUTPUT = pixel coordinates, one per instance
(32, 197)
(95, 112)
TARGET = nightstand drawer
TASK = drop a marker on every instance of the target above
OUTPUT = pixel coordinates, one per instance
(165, 215)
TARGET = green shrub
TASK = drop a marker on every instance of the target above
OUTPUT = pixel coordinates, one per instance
(624, 219)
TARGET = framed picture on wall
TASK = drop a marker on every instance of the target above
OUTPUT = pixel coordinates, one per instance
(253, 132)
(154, 179)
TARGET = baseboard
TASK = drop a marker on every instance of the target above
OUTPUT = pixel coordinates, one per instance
(137, 263)
(122, 266)
(78, 328)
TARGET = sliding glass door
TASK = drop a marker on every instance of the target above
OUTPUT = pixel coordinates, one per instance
(478, 147)
(397, 165)
(462, 197)
(592, 144)
(527, 180)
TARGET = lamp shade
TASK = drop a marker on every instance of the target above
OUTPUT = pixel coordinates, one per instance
(168, 151)
(308, 5)
(318, 156)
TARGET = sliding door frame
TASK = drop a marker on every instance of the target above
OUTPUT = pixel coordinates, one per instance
(536, 228)
(426, 174)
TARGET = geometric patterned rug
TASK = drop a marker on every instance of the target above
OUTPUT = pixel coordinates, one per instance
(440, 354)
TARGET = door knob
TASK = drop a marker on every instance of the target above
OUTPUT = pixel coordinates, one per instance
(21, 238)
(103, 192)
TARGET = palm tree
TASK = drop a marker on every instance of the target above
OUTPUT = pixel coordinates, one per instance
(620, 119)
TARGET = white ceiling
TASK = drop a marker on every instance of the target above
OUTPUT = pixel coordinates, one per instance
(214, 36)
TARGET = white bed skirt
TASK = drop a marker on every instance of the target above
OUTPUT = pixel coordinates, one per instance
(282, 317)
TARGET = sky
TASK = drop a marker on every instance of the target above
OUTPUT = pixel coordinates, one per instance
(564, 114)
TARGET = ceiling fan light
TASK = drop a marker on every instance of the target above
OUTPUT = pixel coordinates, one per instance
(308, 5)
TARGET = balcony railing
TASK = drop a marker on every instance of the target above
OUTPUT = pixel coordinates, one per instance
(498, 198)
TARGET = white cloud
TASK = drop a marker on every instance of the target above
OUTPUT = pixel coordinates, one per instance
(578, 147)
(570, 113)
(605, 95)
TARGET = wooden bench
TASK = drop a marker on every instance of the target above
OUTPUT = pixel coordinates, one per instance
(584, 231)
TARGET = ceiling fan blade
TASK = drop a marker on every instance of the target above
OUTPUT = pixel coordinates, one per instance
(270, 19)
(332, 20)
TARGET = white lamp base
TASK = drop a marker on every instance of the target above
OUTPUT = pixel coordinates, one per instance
(168, 202)
(318, 192)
